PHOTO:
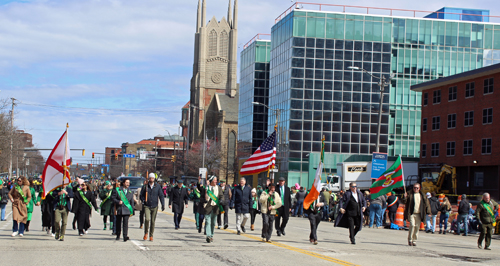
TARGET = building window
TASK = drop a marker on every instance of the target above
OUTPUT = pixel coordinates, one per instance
(426, 98)
(452, 93)
(224, 44)
(435, 122)
(423, 152)
(468, 147)
(469, 90)
(488, 86)
(450, 148)
(424, 124)
(469, 119)
(437, 97)
(487, 116)
(212, 43)
(435, 150)
(486, 146)
(478, 179)
(452, 120)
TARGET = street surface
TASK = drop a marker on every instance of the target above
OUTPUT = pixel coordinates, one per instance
(187, 247)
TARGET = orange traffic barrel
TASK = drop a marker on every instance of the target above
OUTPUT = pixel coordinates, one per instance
(422, 226)
(400, 216)
(459, 200)
(441, 198)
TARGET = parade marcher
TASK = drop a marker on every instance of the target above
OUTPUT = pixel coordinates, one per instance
(151, 193)
(62, 207)
(270, 202)
(212, 195)
(138, 204)
(178, 198)
(416, 208)
(47, 212)
(299, 207)
(254, 208)
(314, 214)
(326, 206)
(198, 210)
(123, 200)
(283, 213)
(241, 200)
(83, 202)
(392, 206)
(445, 209)
(351, 206)
(228, 194)
(4, 199)
(463, 215)
(19, 195)
(31, 205)
(106, 204)
(486, 215)
(434, 204)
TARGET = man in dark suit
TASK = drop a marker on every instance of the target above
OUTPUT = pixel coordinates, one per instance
(179, 195)
(284, 210)
(352, 206)
(123, 200)
(227, 192)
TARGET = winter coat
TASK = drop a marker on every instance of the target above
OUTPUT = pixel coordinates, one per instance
(122, 209)
(107, 205)
(79, 204)
(207, 204)
(227, 193)
(4, 195)
(301, 195)
(242, 198)
(31, 203)
(390, 200)
(483, 215)
(19, 207)
(425, 208)
(463, 208)
(434, 203)
(178, 198)
(57, 198)
(154, 195)
(286, 202)
(264, 202)
(345, 203)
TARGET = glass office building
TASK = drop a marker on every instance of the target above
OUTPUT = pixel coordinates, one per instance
(310, 80)
(254, 87)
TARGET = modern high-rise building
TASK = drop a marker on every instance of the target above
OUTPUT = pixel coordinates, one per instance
(254, 87)
(310, 80)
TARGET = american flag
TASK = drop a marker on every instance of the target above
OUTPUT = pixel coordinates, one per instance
(262, 159)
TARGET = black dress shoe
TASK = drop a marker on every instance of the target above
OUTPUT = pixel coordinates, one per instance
(283, 232)
(117, 238)
(353, 241)
(279, 233)
(125, 239)
(239, 233)
(226, 226)
(243, 229)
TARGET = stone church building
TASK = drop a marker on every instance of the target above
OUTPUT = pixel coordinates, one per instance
(214, 91)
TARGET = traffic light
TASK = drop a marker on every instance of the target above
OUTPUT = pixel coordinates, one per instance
(83, 152)
(76, 165)
(173, 158)
(116, 156)
(93, 155)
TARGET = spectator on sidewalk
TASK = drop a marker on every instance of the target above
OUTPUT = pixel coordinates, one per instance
(463, 215)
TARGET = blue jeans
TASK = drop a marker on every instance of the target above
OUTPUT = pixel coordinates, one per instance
(431, 227)
(2, 207)
(463, 218)
(210, 223)
(16, 227)
(299, 207)
(326, 211)
(375, 215)
(443, 219)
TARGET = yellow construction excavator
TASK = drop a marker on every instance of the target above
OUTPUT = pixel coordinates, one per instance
(430, 186)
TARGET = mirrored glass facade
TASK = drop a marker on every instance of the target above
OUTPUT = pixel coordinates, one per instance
(310, 80)
(254, 87)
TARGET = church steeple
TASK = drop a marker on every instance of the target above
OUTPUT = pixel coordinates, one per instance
(235, 20)
(204, 14)
(229, 14)
(198, 17)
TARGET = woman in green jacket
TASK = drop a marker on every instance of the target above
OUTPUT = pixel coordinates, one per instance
(31, 205)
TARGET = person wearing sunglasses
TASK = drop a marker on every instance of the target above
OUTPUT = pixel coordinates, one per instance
(352, 206)
(417, 207)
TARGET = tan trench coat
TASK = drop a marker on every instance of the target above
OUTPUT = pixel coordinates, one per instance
(19, 208)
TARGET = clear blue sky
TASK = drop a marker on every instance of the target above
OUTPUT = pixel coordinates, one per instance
(119, 54)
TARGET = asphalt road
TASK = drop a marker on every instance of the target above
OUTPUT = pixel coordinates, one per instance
(187, 246)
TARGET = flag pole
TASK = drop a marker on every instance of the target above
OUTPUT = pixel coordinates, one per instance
(65, 167)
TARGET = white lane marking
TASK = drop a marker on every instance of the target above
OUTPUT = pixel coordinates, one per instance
(139, 245)
(8, 222)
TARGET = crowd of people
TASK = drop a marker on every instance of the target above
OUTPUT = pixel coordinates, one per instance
(275, 202)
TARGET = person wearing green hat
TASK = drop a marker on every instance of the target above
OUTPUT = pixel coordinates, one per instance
(106, 204)
(4, 198)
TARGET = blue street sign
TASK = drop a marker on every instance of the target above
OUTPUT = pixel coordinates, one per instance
(104, 165)
(129, 155)
(379, 164)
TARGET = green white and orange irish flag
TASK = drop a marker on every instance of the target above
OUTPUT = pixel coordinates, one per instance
(316, 188)
(392, 178)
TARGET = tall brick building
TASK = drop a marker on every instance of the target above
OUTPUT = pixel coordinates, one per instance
(460, 128)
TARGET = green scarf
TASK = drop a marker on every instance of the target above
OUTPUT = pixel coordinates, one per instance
(125, 200)
(270, 202)
(20, 191)
(487, 206)
(216, 200)
(84, 198)
(107, 197)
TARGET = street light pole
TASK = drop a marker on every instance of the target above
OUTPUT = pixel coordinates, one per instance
(204, 133)
(382, 83)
